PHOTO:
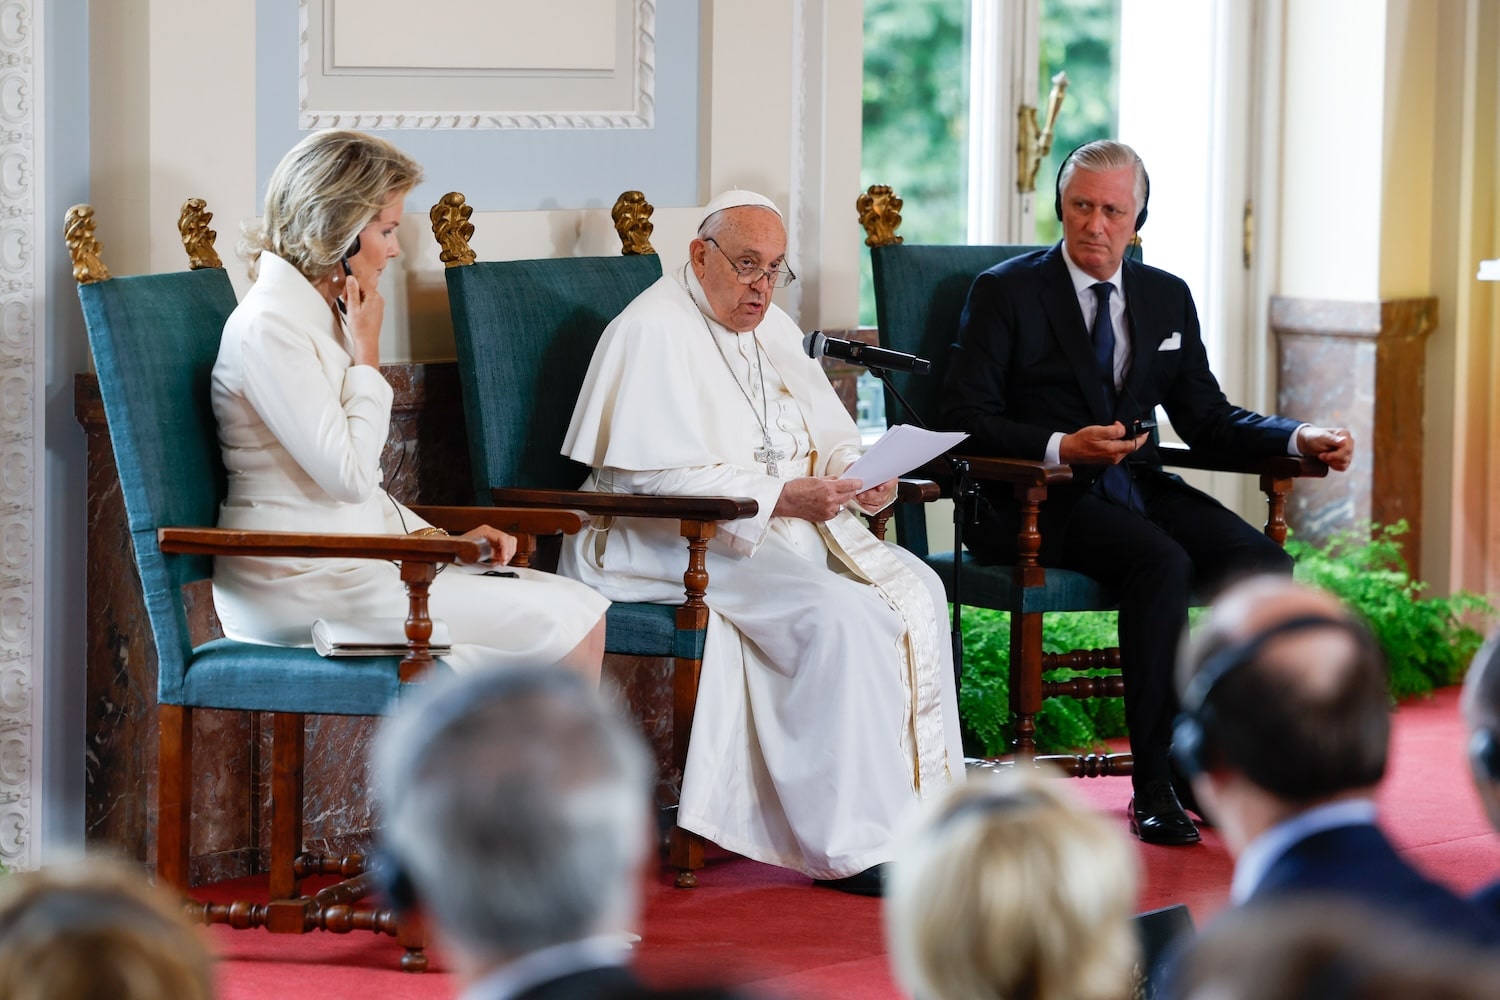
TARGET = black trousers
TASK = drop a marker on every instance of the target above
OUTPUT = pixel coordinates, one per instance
(1184, 543)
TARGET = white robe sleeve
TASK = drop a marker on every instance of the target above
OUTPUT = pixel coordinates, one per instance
(744, 535)
(334, 433)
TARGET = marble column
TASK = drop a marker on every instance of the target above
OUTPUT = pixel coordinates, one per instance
(1361, 365)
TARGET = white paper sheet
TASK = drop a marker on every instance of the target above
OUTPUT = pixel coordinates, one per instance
(899, 450)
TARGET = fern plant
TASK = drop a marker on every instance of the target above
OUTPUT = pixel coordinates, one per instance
(1428, 641)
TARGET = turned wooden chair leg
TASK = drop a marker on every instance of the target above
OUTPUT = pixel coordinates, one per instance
(287, 756)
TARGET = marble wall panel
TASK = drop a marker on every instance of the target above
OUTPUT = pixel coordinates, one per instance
(1360, 365)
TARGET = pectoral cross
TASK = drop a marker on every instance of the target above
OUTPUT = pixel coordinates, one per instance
(771, 456)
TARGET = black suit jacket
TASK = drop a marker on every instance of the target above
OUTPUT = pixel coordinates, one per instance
(1023, 366)
(613, 983)
(1359, 863)
(1488, 900)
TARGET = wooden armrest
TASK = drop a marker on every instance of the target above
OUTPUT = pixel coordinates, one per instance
(917, 491)
(631, 504)
(1279, 466)
(1021, 471)
(512, 520)
(398, 548)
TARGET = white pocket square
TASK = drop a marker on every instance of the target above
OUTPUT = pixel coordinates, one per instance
(1172, 343)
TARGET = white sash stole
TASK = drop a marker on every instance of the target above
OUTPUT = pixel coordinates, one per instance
(868, 557)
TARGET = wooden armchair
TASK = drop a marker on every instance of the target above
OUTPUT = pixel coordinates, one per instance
(154, 340)
(919, 296)
(525, 332)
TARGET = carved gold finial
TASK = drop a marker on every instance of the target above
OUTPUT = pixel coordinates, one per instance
(197, 238)
(632, 215)
(78, 232)
(452, 229)
(880, 214)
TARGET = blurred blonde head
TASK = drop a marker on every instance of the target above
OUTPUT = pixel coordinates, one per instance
(94, 930)
(323, 192)
(1006, 887)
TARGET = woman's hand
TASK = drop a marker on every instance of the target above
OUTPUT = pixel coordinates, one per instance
(365, 311)
(502, 546)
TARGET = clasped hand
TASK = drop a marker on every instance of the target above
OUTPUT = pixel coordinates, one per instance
(1098, 444)
(502, 545)
(820, 498)
(365, 311)
(1331, 445)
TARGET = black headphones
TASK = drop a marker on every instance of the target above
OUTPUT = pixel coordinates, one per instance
(1484, 751)
(1191, 733)
(1140, 216)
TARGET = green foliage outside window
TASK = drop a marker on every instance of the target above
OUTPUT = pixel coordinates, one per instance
(1428, 641)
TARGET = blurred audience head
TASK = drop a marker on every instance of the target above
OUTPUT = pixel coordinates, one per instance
(1481, 711)
(1007, 887)
(516, 811)
(96, 930)
(325, 190)
(1283, 691)
(1328, 950)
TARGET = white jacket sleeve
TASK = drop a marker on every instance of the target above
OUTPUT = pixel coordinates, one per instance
(334, 432)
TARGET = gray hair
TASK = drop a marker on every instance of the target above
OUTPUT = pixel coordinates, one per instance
(322, 193)
(1105, 154)
(517, 803)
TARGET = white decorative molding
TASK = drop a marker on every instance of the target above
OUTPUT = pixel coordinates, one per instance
(642, 114)
(802, 209)
(20, 318)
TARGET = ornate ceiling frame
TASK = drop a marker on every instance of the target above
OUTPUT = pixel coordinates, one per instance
(643, 115)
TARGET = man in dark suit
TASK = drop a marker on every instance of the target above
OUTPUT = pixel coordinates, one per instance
(516, 808)
(1040, 370)
(1285, 730)
(1481, 710)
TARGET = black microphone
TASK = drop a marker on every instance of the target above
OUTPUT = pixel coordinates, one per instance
(818, 346)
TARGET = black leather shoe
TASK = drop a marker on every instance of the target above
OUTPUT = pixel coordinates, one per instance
(1189, 801)
(870, 882)
(1158, 818)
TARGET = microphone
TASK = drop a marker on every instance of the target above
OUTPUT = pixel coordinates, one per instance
(818, 346)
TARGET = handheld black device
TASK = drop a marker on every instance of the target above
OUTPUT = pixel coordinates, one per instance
(1139, 426)
(344, 262)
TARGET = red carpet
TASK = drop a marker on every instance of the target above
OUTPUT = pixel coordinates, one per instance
(769, 930)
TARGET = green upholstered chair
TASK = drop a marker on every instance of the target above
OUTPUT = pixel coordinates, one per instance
(154, 340)
(919, 298)
(525, 332)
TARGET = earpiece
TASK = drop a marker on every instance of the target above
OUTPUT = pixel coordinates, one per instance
(1192, 732)
(1057, 205)
(1484, 751)
(344, 262)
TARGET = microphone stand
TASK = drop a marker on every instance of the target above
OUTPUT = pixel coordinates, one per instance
(965, 495)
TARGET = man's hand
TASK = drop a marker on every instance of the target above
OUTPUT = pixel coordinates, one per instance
(877, 498)
(1098, 444)
(1331, 445)
(816, 499)
(502, 545)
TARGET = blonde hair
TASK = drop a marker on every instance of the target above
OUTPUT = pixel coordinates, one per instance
(322, 193)
(96, 929)
(1006, 887)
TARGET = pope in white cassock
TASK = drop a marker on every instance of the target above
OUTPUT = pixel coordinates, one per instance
(827, 705)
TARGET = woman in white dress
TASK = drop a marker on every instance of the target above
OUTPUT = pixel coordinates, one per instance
(304, 412)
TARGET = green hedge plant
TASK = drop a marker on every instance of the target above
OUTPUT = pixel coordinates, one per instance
(1428, 642)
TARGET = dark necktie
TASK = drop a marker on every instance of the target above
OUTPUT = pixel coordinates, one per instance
(1115, 481)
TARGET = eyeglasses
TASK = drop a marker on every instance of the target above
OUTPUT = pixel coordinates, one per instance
(749, 274)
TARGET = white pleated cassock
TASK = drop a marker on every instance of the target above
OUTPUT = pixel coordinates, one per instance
(827, 705)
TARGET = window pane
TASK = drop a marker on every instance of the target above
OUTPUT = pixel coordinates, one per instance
(916, 119)
(1082, 39)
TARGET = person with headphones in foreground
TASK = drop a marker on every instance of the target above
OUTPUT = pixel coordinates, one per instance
(1058, 351)
(1481, 711)
(517, 818)
(1284, 733)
